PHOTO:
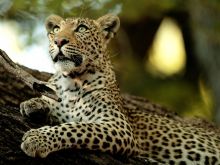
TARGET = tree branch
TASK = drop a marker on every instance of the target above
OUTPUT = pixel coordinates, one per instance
(27, 78)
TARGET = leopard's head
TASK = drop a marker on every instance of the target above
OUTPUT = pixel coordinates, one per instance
(76, 43)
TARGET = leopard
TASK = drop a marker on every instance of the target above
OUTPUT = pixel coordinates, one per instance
(91, 113)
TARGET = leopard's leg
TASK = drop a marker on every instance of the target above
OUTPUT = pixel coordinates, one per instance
(105, 137)
(35, 108)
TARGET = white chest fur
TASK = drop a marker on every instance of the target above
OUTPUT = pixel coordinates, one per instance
(78, 97)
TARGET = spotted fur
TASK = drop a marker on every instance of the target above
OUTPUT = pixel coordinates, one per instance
(91, 114)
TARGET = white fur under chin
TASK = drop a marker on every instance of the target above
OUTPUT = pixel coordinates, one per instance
(65, 67)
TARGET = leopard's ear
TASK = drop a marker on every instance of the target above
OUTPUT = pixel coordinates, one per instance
(52, 21)
(109, 25)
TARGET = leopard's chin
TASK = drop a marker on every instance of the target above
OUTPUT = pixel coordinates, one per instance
(65, 66)
(74, 58)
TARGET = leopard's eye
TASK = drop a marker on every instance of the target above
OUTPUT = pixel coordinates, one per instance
(56, 29)
(81, 28)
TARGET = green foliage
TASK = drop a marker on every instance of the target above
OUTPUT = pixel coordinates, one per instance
(31, 13)
(40, 8)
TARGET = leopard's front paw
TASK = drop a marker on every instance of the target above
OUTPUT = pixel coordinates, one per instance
(34, 108)
(34, 144)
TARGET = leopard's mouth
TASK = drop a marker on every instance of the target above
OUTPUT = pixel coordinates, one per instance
(76, 58)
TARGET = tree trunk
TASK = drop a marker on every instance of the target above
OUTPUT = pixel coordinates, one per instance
(13, 126)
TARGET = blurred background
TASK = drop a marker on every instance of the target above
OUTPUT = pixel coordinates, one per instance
(167, 50)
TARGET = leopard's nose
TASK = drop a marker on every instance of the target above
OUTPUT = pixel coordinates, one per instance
(61, 41)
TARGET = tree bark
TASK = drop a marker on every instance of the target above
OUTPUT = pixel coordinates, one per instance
(13, 126)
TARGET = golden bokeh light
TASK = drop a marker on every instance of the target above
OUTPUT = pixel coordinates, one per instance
(167, 55)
